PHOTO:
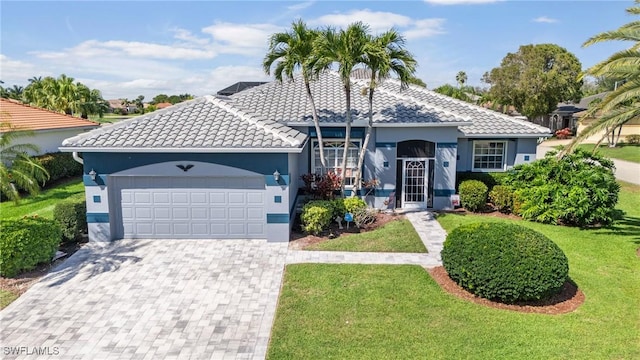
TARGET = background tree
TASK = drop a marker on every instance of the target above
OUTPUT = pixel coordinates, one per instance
(536, 78)
(464, 93)
(292, 51)
(623, 104)
(17, 169)
(384, 54)
(15, 92)
(417, 81)
(139, 101)
(63, 95)
(461, 78)
(345, 48)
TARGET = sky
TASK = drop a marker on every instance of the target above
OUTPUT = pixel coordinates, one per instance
(132, 48)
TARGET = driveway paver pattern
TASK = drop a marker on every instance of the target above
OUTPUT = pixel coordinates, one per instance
(143, 299)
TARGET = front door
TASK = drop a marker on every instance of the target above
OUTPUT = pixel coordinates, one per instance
(414, 183)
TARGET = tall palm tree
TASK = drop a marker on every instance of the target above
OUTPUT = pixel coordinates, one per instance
(291, 51)
(17, 169)
(139, 101)
(384, 54)
(346, 48)
(461, 78)
(15, 92)
(623, 104)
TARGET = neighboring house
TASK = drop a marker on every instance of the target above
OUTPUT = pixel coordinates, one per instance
(239, 86)
(632, 127)
(230, 167)
(49, 128)
(115, 105)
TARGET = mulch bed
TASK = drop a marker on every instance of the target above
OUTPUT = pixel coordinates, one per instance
(299, 239)
(568, 300)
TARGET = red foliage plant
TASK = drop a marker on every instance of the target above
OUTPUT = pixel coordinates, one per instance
(321, 186)
(563, 133)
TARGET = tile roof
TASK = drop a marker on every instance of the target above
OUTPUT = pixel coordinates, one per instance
(287, 103)
(27, 117)
(202, 124)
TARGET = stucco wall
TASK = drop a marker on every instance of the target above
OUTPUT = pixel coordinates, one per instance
(50, 140)
(522, 150)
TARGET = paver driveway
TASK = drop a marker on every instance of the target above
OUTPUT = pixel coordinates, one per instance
(151, 299)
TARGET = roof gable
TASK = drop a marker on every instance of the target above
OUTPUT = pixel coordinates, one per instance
(23, 116)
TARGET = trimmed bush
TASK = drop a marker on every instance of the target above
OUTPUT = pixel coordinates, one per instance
(338, 208)
(490, 179)
(473, 195)
(60, 165)
(354, 204)
(72, 218)
(501, 197)
(632, 139)
(504, 262)
(578, 189)
(27, 242)
(316, 216)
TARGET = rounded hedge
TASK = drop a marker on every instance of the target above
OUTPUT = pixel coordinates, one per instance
(504, 262)
(473, 195)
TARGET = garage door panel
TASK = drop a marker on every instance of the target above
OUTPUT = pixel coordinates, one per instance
(162, 207)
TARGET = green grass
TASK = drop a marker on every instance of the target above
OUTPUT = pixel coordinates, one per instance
(385, 311)
(627, 152)
(43, 203)
(6, 298)
(395, 236)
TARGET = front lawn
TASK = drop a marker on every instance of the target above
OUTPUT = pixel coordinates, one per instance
(395, 236)
(6, 298)
(43, 203)
(627, 152)
(386, 311)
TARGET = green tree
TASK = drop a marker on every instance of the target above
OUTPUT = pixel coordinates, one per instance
(346, 48)
(160, 98)
(461, 78)
(622, 104)
(139, 101)
(291, 51)
(464, 93)
(17, 169)
(536, 78)
(15, 92)
(385, 54)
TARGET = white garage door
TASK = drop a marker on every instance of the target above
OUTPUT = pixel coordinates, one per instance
(191, 208)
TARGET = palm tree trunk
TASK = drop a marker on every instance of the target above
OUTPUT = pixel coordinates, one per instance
(316, 123)
(365, 143)
(617, 137)
(347, 139)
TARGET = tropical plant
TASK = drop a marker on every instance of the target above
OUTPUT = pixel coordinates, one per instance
(18, 171)
(63, 95)
(383, 55)
(291, 51)
(346, 48)
(15, 92)
(461, 78)
(139, 101)
(622, 104)
(464, 93)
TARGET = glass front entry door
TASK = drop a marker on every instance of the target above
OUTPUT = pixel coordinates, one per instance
(414, 183)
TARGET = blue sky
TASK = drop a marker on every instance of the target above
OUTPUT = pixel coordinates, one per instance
(126, 49)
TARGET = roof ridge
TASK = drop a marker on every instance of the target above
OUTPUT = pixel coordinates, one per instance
(259, 123)
(16, 102)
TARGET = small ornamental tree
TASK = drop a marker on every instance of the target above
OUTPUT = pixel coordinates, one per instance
(578, 189)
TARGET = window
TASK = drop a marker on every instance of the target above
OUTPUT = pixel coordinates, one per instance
(489, 155)
(333, 151)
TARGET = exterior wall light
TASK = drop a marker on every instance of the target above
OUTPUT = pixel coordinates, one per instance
(93, 174)
(276, 175)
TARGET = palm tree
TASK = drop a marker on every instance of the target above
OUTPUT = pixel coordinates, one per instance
(346, 48)
(461, 78)
(623, 104)
(139, 101)
(291, 51)
(17, 169)
(460, 93)
(15, 92)
(384, 54)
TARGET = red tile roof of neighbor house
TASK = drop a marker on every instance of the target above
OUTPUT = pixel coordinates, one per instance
(23, 116)
(163, 105)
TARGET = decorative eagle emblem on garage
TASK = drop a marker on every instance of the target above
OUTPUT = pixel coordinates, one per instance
(185, 168)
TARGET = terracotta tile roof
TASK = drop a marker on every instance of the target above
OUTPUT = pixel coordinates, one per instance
(26, 117)
(163, 105)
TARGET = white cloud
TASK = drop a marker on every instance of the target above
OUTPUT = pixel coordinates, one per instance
(545, 19)
(460, 2)
(381, 21)
(17, 72)
(300, 6)
(244, 39)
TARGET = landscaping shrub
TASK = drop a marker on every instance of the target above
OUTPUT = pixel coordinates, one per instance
(60, 165)
(321, 186)
(563, 133)
(338, 208)
(490, 179)
(505, 262)
(632, 139)
(364, 216)
(27, 242)
(578, 189)
(354, 204)
(473, 195)
(72, 218)
(501, 197)
(316, 216)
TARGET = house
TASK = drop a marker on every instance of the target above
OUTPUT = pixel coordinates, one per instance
(49, 128)
(115, 105)
(230, 167)
(163, 105)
